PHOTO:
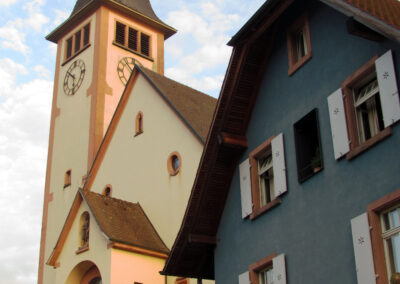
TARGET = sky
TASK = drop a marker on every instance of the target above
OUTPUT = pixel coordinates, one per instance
(197, 56)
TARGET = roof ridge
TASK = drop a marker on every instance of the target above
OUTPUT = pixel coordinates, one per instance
(182, 84)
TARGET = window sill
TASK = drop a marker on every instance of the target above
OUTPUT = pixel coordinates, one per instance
(369, 143)
(259, 211)
(76, 54)
(133, 51)
(82, 249)
(67, 185)
(293, 68)
(138, 133)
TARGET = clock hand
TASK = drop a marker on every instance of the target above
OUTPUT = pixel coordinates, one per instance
(70, 74)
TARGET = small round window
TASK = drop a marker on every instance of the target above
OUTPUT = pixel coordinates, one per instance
(174, 163)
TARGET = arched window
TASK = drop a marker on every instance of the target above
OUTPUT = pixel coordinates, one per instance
(107, 190)
(174, 163)
(67, 178)
(84, 225)
(139, 123)
(96, 280)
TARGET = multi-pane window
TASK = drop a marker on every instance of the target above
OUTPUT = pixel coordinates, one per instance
(266, 179)
(391, 239)
(263, 177)
(78, 41)
(368, 110)
(363, 109)
(266, 276)
(132, 39)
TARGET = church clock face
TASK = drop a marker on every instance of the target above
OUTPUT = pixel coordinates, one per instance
(125, 67)
(74, 77)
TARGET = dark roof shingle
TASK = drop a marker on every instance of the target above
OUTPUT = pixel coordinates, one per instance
(124, 222)
(141, 6)
(195, 107)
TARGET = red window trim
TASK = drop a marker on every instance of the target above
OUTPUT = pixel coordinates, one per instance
(347, 89)
(257, 266)
(374, 210)
(294, 64)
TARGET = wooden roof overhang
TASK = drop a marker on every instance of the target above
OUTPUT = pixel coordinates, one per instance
(93, 5)
(192, 254)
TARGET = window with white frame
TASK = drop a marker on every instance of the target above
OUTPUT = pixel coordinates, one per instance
(376, 241)
(266, 179)
(269, 270)
(367, 106)
(363, 109)
(390, 221)
(266, 276)
(263, 177)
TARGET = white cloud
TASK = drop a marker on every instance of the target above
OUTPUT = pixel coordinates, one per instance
(24, 112)
(7, 2)
(42, 71)
(13, 39)
(61, 16)
(8, 72)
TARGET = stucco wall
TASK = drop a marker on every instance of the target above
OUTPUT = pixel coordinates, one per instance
(312, 225)
(129, 267)
(68, 152)
(97, 253)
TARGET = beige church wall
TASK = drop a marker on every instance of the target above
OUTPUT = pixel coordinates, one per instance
(98, 252)
(129, 267)
(116, 53)
(136, 167)
(70, 145)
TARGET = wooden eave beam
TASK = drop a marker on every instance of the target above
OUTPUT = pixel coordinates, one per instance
(202, 239)
(357, 29)
(232, 140)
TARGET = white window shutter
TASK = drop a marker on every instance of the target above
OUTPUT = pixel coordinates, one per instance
(245, 188)
(244, 278)
(279, 166)
(279, 267)
(388, 91)
(338, 124)
(363, 250)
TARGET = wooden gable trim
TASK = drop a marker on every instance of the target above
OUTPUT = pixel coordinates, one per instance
(136, 249)
(111, 130)
(65, 231)
(238, 96)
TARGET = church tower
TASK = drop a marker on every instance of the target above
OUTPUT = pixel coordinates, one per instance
(97, 47)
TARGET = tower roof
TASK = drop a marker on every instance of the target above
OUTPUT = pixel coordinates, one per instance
(139, 9)
(141, 6)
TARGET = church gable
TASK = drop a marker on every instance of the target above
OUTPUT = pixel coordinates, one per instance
(143, 156)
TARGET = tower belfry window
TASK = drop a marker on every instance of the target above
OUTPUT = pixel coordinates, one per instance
(145, 44)
(77, 42)
(132, 39)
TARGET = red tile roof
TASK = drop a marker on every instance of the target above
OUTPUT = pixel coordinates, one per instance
(387, 11)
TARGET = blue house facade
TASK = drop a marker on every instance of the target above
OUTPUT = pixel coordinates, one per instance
(307, 178)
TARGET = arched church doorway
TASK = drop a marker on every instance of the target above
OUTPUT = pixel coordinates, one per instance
(85, 272)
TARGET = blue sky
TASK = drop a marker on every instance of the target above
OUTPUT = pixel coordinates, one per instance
(197, 56)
